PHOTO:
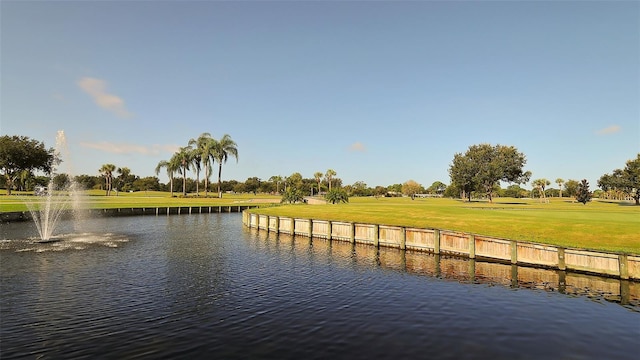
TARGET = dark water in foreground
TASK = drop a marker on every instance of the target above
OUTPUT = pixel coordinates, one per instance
(203, 286)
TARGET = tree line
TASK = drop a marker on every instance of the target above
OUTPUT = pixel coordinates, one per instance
(477, 173)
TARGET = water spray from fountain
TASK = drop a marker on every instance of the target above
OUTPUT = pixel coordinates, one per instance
(59, 198)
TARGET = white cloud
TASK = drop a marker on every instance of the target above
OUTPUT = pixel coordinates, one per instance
(609, 130)
(357, 146)
(124, 148)
(97, 89)
(59, 97)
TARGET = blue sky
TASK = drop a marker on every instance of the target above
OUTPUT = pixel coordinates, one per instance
(380, 91)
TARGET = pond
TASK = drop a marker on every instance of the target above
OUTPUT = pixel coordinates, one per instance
(203, 286)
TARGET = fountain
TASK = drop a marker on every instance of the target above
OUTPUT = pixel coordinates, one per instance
(57, 199)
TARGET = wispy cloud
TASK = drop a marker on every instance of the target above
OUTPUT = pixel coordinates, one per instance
(59, 97)
(357, 146)
(124, 148)
(97, 89)
(609, 130)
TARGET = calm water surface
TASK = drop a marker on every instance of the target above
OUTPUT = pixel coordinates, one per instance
(203, 286)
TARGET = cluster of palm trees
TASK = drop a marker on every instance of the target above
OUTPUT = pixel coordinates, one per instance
(107, 171)
(201, 152)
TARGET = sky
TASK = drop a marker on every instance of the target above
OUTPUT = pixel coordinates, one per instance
(379, 91)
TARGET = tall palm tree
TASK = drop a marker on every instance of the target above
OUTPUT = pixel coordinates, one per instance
(195, 160)
(183, 157)
(171, 170)
(540, 184)
(107, 171)
(560, 181)
(276, 179)
(329, 175)
(203, 146)
(224, 148)
(318, 176)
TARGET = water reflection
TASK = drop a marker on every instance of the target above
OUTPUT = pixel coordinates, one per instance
(462, 270)
(202, 285)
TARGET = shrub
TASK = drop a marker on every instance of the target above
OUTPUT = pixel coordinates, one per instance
(583, 195)
(337, 195)
(291, 196)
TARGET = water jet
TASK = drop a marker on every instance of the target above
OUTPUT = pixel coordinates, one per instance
(61, 197)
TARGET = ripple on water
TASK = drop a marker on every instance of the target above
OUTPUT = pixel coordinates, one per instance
(65, 242)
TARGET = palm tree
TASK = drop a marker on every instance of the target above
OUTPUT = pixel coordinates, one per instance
(184, 158)
(203, 148)
(224, 148)
(560, 181)
(318, 177)
(170, 171)
(276, 179)
(195, 160)
(329, 176)
(107, 171)
(541, 184)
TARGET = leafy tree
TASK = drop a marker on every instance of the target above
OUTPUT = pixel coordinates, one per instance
(437, 188)
(125, 178)
(462, 174)
(266, 187)
(583, 195)
(252, 184)
(411, 188)
(625, 180)
(452, 191)
(61, 181)
(294, 181)
(240, 188)
(571, 187)
(229, 185)
(483, 166)
(395, 188)
(107, 171)
(379, 191)
(20, 153)
(337, 195)
(560, 181)
(514, 191)
(146, 183)
(329, 176)
(87, 181)
(359, 188)
(222, 149)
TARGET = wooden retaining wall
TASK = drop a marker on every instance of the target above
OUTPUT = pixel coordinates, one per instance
(134, 211)
(454, 243)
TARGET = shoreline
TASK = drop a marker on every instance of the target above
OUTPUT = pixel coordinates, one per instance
(455, 243)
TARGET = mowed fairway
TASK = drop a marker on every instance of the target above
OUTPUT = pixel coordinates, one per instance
(597, 225)
(95, 199)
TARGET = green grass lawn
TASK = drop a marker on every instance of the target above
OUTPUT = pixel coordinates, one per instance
(598, 225)
(96, 199)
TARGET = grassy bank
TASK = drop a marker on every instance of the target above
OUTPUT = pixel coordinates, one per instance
(607, 226)
(598, 225)
(96, 199)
